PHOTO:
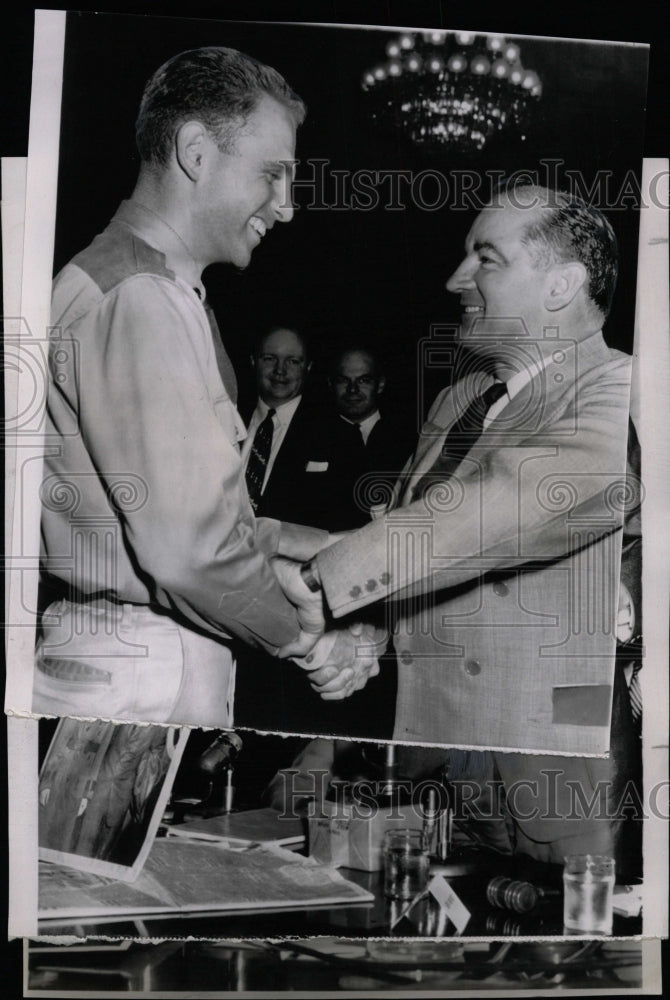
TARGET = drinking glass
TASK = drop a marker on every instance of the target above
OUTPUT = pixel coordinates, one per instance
(405, 863)
(588, 883)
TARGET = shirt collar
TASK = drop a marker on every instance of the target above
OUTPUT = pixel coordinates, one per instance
(284, 413)
(367, 424)
(157, 233)
(516, 383)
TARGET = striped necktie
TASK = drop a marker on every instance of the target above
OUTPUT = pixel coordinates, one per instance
(460, 438)
(259, 457)
(635, 695)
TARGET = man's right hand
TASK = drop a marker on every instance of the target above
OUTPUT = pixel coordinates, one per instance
(309, 607)
(344, 660)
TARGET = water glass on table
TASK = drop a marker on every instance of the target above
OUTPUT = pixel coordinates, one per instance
(406, 863)
(588, 885)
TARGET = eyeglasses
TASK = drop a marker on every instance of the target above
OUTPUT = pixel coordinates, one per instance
(272, 361)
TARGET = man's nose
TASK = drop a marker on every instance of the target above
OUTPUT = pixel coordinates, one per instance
(463, 276)
(282, 201)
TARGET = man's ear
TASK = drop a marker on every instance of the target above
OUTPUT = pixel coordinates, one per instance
(190, 142)
(564, 282)
(381, 385)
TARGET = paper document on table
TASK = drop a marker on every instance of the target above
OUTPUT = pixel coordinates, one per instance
(256, 826)
(181, 875)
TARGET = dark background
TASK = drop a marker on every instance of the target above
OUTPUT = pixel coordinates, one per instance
(645, 22)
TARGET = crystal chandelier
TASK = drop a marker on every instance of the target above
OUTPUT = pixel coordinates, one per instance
(455, 89)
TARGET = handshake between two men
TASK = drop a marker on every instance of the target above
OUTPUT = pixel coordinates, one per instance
(339, 660)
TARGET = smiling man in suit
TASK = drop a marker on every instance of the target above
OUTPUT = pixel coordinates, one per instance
(296, 472)
(367, 448)
(281, 438)
(501, 553)
(500, 556)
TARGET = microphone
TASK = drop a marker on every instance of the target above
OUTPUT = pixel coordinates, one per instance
(220, 753)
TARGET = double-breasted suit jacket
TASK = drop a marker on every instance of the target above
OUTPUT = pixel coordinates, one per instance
(503, 579)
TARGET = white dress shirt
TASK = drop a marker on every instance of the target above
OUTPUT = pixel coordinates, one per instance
(514, 385)
(365, 425)
(280, 423)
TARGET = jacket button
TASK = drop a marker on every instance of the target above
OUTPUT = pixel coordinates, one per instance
(385, 578)
(473, 667)
(355, 592)
(371, 584)
(500, 589)
(405, 656)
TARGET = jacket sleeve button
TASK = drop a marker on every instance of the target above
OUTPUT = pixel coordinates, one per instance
(500, 589)
(473, 667)
(371, 584)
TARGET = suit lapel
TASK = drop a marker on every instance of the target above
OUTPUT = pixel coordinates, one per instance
(445, 413)
(533, 408)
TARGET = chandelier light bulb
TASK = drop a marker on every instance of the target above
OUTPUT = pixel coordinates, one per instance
(457, 63)
(500, 69)
(393, 50)
(516, 76)
(435, 64)
(406, 42)
(480, 65)
(512, 52)
(414, 63)
(465, 37)
(495, 43)
(394, 68)
(379, 72)
(437, 37)
(530, 80)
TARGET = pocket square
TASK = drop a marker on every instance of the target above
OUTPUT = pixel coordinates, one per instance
(317, 467)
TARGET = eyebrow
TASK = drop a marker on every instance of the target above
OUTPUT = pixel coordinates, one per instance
(487, 245)
(286, 166)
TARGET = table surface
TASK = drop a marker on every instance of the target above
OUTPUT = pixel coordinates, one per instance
(373, 919)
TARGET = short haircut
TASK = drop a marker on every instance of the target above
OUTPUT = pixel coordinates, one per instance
(262, 337)
(356, 347)
(217, 86)
(567, 229)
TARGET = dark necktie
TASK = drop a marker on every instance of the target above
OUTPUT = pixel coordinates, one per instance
(460, 438)
(357, 434)
(259, 457)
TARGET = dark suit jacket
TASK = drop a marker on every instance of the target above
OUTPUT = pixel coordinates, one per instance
(313, 482)
(324, 477)
(360, 477)
(296, 489)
